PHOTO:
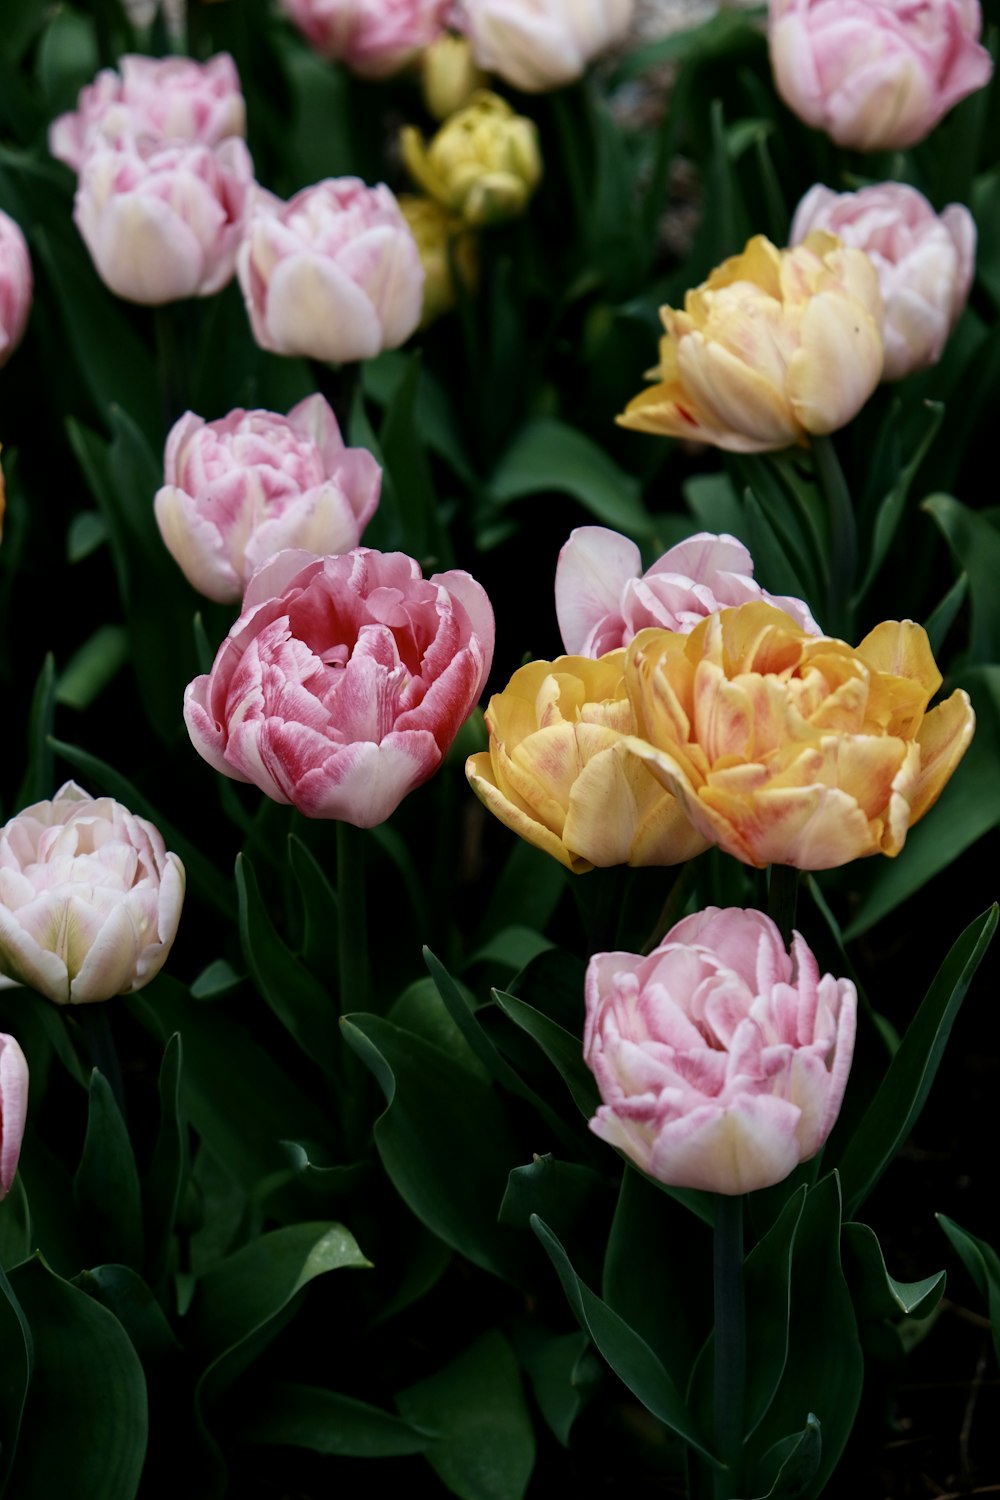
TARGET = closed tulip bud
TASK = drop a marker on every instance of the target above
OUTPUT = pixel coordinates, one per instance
(483, 163)
(374, 38)
(721, 1058)
(157, 99)
(876, 75)
(344, 681)
(775, 345)
(787, 748)
(449, 75)
(558, 772)
(447, 250)
(163, 222)
(537, 45)
(924, 262)
(89, 898)
(332, 274)
(15, 286)
(13, 1108)
(239, 490)
(603, 598)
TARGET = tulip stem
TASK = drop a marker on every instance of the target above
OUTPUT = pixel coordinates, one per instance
(782, 897)
(843, 535)
(103, 1052)
(354, 970)
(729, 1375)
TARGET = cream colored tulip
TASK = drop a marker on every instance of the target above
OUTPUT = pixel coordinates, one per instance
(558, 773)
(775, 345)
(483, 164)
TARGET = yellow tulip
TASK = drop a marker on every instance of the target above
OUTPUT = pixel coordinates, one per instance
(775, 345)
(447, 249)
(483, 163)
(557, 771)
(449, 75)
(794, 749)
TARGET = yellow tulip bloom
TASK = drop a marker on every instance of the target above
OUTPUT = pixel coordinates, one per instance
(483, 164)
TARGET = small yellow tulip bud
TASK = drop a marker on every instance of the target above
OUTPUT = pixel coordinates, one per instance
(449, 75)
(447, 250)
(483, 163)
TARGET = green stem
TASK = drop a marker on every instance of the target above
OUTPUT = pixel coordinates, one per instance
(673, 906)
(843, 535)
(782, 895)
(729, 1376)
(354, 974)
(103, 1052)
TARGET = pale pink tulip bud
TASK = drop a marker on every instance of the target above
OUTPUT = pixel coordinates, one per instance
(163, 222)
(924, 262)
(375, 38)
(15, 287)
(876, 75)
(89, 898)
(721, 1058)
(333, 274)
(241, 489)
(603, 598)
(537, 45)
(159, 98)
(344, 681)
(13, 1108)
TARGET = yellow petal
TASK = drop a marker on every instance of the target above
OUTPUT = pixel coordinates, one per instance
(944, 737)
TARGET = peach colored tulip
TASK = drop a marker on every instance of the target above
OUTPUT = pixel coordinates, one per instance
(557, 771)
(538, 45)
(774, 345)
(89, 898)
(790, 749)
(13, 1108)
(924, 262)
(721, 1058)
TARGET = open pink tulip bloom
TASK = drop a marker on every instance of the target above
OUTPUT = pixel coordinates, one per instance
(375, 38)
(344, 681)
(13, 1108)
(721, 1058)
(15, 286)
(89, 898)
(241, 489)
(538, 45)
(603, 598)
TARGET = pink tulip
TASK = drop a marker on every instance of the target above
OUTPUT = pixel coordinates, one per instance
(13, 1108)
(924, 262)
(721, 1058)
(164, 222)
(156, 98)
(603, 598)
(89, 898)
(333, 274)
(876, 75)
(243, 488)
(344, 681)
(375, 38)
(538, 45)
(15, 286)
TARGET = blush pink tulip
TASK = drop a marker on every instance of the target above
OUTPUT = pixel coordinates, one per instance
(876, 75)
(333, 274)
(344, 681)
(924, 261)
(721, 1058)
(89, 898)
(155, 98)
(375, 38)
(603, 598)
(538, 45)
(163, 222)
(13, 1108)
(15, 286)
(241, 489)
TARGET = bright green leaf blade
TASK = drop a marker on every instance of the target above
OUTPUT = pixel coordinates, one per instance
(106, 1185)
(895, 1108)
(547, 455)
(485, 1448)
(983, 1265)
(307, 1416)
(87, 1380)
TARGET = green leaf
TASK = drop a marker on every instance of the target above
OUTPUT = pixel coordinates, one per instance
(86, 1380)
(126, 1295)
(88, 530)
(93, 666)
(890, 511)
(15, 1373)
(169, 1165)
(303, 1005)
(215, 980)
(798, 1458)
(562, 1370)
(307, 1416)
(444, 1139)
(628, 1354)
(485, 1448)
(421, 1009)
(39, 777)
(401, 442)
(320, 912)
(15, 1226)
(976, 546)
(768, 1283)
(895, 1108)
(942, 617)
(547, 455)
(560, 1047)
(878, 1295)
(983, 1265)
(106, 1185)
(563, 1191)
